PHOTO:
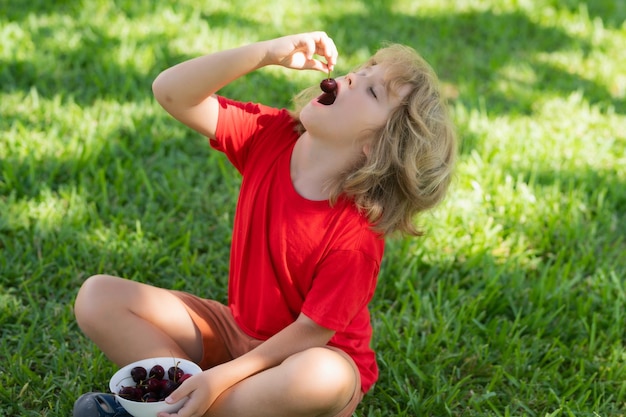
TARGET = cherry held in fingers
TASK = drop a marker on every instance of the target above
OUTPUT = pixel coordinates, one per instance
(328, 85)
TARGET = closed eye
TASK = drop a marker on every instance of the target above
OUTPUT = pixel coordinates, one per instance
(372, 92)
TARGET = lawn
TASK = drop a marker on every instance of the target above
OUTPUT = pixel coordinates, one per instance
(512, 304)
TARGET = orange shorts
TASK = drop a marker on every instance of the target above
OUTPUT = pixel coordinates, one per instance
(223, 340)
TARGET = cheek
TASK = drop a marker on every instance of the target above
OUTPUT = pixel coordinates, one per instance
(368, 112)
(373, 119)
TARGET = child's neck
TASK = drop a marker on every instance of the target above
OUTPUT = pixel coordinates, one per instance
(314, 164)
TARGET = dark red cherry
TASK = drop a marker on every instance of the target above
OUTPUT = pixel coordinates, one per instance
(126, 391)
(150, 397)
(175, 373)
(328, 85)
(157, 372)
(168, 387)
(131, 393)
(184, 378)
(139, 373)
(153, 385)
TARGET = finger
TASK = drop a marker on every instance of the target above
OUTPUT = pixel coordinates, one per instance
(310, 48)
(333, 56)
(190, 408)
(326, 47)
(316, 64)
(179, 393)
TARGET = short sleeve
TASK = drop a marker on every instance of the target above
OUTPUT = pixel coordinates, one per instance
(342, 287)
(239, 124)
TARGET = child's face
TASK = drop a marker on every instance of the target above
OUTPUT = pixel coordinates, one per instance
(363, 104)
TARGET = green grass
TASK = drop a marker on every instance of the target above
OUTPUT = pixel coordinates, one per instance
(511, 305)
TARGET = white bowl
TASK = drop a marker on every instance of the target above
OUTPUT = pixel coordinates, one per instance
(141, 409)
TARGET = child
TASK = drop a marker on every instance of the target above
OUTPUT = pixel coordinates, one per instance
(322, 187)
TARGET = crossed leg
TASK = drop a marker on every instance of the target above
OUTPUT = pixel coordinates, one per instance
(130, 321)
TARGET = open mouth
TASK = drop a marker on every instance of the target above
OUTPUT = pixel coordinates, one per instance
(327, 98)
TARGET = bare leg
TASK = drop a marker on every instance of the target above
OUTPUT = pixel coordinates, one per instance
(317, 382)
(130, 321)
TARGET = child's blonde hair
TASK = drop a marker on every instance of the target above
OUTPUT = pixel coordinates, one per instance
(410, 163)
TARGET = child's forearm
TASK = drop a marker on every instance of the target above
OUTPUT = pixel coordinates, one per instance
(189, 83)
(297, 337)
(186, 90)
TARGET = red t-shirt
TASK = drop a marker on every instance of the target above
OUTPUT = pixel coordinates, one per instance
(289, 254)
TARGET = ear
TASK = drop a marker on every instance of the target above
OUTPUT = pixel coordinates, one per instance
(367, 148)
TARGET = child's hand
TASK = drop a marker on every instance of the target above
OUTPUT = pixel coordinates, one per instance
(201, 392)
(298, 51)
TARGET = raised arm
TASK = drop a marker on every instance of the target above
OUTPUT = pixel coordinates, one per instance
(187, 90)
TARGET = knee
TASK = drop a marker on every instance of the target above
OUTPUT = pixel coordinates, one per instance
(325, 375)
(89, 303)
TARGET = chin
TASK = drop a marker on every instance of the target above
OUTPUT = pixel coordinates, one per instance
(306, 116)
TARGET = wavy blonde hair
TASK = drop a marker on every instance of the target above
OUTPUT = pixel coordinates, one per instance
(410, 164)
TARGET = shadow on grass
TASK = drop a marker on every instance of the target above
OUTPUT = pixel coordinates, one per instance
(612, 13)
(75, 75)
(83, 209)
(467, 46)
(86, 73)
(473, 46)
(16, 10)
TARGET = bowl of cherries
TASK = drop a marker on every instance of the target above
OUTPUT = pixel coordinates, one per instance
(141, 387)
